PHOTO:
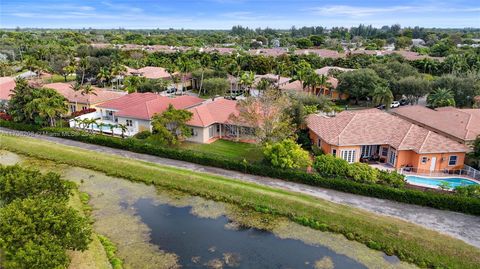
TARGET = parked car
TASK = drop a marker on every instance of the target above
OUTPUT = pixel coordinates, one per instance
(171, 90)
(403, 102)
(395, 104)
(381, 107)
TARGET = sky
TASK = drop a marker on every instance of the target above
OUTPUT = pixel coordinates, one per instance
(223, 14)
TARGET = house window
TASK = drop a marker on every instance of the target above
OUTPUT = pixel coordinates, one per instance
(452, 160)
(348, 155)
(384, 152)
(84, 108)
(334, 152)
(392, 157)
(319, 143)
(218, 128)
(193, 132)
(73, 108)
(424, 160)
(211, 131)
(129, 123)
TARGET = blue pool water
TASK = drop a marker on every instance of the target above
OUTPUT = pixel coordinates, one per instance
(436, 181)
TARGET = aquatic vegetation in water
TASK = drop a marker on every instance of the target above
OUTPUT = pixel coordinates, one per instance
(324, 263)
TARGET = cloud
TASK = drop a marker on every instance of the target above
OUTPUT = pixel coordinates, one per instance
(352, 11)
(359, 12)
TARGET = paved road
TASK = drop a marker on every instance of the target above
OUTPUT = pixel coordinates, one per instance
(462, 226)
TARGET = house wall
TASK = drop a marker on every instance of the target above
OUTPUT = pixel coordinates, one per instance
(138, 125)
(201, 135)
(328, 148)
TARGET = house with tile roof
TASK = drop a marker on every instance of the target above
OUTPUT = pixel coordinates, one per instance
(155, 72)
(462, 125)
(373, 134)
(331, 90)
(136, 110)
(77, 101)
(212, 120)
(7, 84)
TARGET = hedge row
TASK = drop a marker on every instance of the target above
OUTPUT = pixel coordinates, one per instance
(424, 198)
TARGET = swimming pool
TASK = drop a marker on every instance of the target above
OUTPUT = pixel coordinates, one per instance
(436, 181)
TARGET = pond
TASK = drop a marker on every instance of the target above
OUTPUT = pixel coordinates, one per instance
(157, 228)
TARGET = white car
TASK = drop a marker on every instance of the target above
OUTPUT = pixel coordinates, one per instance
(395, 104)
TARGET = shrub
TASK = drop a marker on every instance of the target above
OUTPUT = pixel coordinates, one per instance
(362, 172)
(468, 191)
(143, 134)
(286, 154)
(329, 165)
(392, 178)
(5, 116)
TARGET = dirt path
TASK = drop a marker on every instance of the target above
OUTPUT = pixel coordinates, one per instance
(462, 226)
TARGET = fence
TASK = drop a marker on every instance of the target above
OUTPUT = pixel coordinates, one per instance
(467, 171)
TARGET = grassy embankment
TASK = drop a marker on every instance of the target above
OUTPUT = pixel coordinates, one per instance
(408, 241)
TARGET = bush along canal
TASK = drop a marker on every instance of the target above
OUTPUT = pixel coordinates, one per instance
(159, 228)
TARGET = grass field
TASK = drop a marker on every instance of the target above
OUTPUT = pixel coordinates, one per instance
(57, 78)
(228, 149)
(408, 241)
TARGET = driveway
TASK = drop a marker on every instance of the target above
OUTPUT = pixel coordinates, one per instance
(462, 226)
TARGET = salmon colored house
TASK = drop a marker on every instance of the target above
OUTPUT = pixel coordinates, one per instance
(376, 135)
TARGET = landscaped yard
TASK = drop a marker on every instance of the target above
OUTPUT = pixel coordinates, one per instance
(228, 149)
(410, 242)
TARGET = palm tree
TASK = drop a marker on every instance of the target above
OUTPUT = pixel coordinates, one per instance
(185, 66)
(117, 71)
(441, 97)
(104, 75)
(123, 129)
(246, 81)
(69, 69)
(382, 95)
(112, 128)
(100, 126)
(83, 65)
(301, 72)
(280, 69)
(132, 83)
(324, 84)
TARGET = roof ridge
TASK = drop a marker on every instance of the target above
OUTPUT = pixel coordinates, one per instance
(424, 141)
(405, 136)
(354, 115)
(467, 130)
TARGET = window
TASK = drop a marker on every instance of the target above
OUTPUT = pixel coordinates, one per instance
(211, 131)
(392, 157)
(384, 152)
(84, 108)
(73, 108)
(319, 143)
(452, 160)
(193, 132)
(334, 152)
(348, 155)
(129, 123)
(218, 128)
(424, 160)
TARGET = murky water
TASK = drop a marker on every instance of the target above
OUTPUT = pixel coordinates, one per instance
(163, 229)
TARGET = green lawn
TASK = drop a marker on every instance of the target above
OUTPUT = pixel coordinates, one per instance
(57, 78)
(410, 242)
(228, 149)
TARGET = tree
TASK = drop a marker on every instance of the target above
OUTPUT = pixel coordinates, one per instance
(216, 86)
(170, 126)
(19, 183)
(123, 129)
(104, 75)
(246, 81)
(464, 87)
(286, 154)
(133, 82)
(402, 42)
(441, 97)
(34, 233)
(302, 72)
(268, 115)
(304, 43)
(359, 83)
(413, 88)
(21, 95)
(46, 106)
(382, 95)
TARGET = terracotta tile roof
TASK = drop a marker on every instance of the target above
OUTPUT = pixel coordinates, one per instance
(292, 86)
(208, 113)
(145, 105)
(151, 72)
(272, 77)
(375, 127)
(463, 124)
(7, 84)
(72, 96)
